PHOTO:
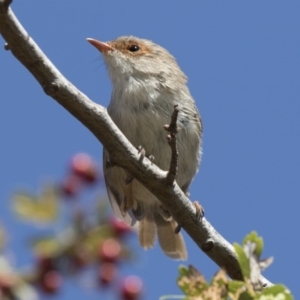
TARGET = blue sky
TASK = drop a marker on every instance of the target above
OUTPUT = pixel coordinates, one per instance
(242, 59)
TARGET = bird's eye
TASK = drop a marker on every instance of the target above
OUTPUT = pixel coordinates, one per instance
(134, 48)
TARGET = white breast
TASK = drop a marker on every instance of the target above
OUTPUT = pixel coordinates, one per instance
(140, 108)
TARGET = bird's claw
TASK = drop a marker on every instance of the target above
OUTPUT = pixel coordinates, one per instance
(199, 210)
(199, 215)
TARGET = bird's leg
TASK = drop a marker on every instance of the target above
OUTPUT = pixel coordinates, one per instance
(141, 152)
(199, 214)
(199, 210)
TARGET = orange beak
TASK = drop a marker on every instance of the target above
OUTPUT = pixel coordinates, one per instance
(102, 47)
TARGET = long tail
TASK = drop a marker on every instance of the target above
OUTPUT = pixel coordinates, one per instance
(172, 244)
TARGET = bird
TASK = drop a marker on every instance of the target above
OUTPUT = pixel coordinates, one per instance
(147, 83)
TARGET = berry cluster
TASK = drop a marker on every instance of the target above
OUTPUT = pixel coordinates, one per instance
(94, 242)
(83, 170)
(108, 258)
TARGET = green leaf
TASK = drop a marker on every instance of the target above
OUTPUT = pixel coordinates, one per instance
(234, 286)
(37, 209)
(46, 247)
(95, 237)
(191, 281)
(243, 260)
(276, 292)
(183, 270)
(218, 288)
(245, 296)
(257, 240)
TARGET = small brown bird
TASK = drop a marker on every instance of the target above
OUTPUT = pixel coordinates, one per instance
(147, 83)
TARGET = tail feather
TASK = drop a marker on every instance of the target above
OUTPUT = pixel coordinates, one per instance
(147, 232)
(172, 244)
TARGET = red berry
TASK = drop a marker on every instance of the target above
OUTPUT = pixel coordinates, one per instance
(50, 282)
(110, 250)
(120, 227)
(80, 260)
(71, 186)
(107, 273)
(83, 166)
(45, 264)
(7, 281)
(131, 288)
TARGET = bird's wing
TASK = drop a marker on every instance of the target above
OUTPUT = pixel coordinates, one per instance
(114, 197)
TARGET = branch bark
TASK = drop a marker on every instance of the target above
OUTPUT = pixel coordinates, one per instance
(97, 120)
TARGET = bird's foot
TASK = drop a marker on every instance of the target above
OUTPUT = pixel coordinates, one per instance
(199, 215)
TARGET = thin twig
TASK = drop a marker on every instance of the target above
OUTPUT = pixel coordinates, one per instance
(173, 129)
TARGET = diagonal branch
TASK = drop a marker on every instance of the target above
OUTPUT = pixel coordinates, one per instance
(96, 119)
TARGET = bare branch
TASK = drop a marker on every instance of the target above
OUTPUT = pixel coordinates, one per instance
(96, 119)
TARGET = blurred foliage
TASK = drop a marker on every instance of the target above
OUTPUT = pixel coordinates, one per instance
(93, 241)
(195, 287)
(43, 208)
(98, 242)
